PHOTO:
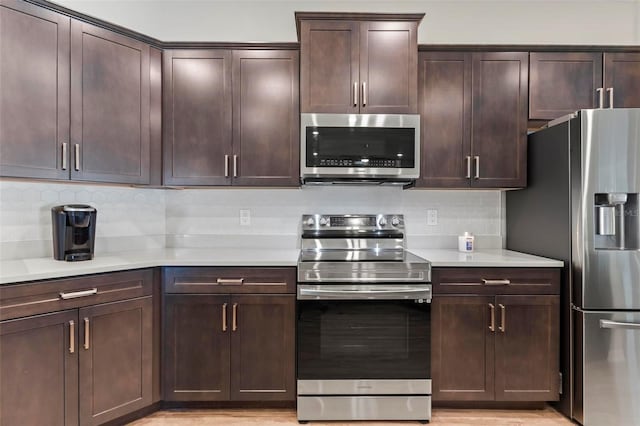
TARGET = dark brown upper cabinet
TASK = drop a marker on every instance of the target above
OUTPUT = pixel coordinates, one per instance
(564, 82)
(358, 63)
(266, 118)
(473, 109)
(75, 99)
(197, 117)
(622, 79)
(34, 100)
(109, 106)
(203, 90)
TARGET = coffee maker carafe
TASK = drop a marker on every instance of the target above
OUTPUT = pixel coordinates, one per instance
(74, 231)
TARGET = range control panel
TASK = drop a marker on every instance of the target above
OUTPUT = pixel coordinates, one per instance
(353, 222)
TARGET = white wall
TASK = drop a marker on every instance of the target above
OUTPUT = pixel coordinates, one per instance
(446, 21)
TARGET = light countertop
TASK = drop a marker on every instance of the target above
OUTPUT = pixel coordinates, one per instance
(14, 271)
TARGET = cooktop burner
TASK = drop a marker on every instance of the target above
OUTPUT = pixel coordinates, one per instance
(358, 248)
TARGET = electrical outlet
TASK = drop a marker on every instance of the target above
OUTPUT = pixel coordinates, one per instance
(432, 217)
(245, 217)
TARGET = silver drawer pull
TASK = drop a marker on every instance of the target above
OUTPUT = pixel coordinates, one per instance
(225, 281)
(65, 155)
(617, 324)
(75, 294)
(72, 337)
(495, 282)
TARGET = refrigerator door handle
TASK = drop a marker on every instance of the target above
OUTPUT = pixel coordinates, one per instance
(617, 324)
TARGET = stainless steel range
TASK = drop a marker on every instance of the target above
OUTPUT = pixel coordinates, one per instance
(364, 321)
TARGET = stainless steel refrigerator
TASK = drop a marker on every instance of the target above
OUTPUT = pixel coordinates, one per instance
(581, 206)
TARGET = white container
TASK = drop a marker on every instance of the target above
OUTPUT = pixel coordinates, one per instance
(466, 243)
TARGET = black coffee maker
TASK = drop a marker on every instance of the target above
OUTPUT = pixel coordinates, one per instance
(74, 232)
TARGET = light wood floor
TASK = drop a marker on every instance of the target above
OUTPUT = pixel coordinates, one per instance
(284, 417)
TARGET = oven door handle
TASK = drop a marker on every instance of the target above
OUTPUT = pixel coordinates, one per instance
(364, 294)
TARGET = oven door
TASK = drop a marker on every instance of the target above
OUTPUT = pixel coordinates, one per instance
(374, 338)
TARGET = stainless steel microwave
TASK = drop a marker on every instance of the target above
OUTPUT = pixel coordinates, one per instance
(359, 148)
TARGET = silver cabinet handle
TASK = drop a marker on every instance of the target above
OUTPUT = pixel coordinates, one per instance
(225, 281)
(468, 159)
(503, 318)
(77, 156)
(355, 93)
(235, 166)
(224, 317)
(226, 166)
(76, 294)
(496, 282)
(72, 337)
(492, 310)
(477, 160)
(86, 333)
(610, 91)
(234, 317)
(364, 93)
(617, 324)
(600, 91)
(65, 155)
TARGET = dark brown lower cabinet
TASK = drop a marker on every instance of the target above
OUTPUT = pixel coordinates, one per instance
(263, 348)
(462, 349)
(87, 362)
(229, 347)
(39, 370)
(527, 348)
(115, 359)
(196, 348)
(495, 348)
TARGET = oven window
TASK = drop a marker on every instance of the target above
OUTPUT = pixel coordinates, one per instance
(363, 340)
(360, 147)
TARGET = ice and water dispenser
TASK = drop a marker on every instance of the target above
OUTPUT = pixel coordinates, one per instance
(617, 222)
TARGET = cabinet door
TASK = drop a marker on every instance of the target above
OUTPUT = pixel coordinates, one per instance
(499, 125)
(39, 370)
(388, 68)
(329, 69)
(622, 73)
(445, 112)
(115, 359)
(527, 348)
(109, 106)
(34, 100)
(197, 117)
(196, 348)
(462, 348)
(563, 82)
(266, 118)
(263, 348)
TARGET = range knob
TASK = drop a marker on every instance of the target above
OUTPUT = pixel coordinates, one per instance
(324, 221)
(395, 221)
(382, 221)
(310, 222)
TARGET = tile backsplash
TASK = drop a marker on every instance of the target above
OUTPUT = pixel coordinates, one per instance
(140, 218)
(206, 218)
(128, 218)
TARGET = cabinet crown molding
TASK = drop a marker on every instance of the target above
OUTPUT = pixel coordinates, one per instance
(355, 16)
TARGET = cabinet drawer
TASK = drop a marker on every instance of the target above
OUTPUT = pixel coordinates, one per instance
(496, 280)
(229, 280)
(54, 295)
